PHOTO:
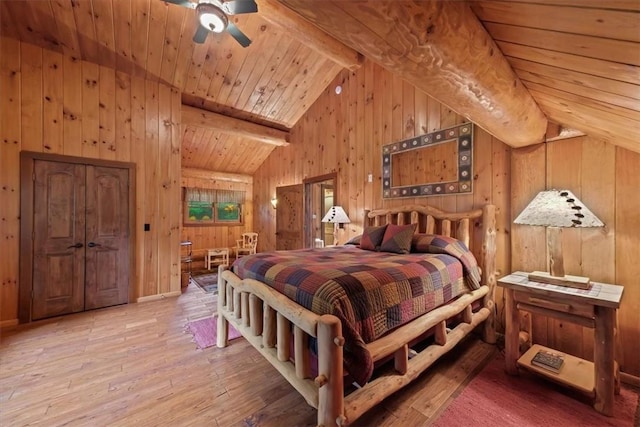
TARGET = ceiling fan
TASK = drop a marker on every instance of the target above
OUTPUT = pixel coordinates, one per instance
(212, 17)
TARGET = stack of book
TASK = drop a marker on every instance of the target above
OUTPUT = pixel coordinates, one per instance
(548, 360)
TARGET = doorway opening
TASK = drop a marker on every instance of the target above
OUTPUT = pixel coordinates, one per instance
(320, 194)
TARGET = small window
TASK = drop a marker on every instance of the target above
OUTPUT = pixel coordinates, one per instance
(205, 206)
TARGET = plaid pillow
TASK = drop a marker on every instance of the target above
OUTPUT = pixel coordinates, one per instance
(372, 237)
(397, 238)
(437, 244)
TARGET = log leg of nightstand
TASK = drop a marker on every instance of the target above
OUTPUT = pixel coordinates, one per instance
(512, 333)
(604, 359)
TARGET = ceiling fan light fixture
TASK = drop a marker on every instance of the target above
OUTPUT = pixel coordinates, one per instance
(212, 17)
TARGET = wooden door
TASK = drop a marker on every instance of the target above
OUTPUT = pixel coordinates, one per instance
(58, 239)
(80, 238)
(107, 237)
(289, 224)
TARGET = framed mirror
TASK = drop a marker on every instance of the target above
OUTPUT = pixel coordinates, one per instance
(434, 164)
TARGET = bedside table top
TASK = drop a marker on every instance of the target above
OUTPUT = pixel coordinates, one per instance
(601, 294)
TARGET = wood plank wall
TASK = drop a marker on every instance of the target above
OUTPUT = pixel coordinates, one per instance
(345, 133)
(57, 104)
(605, 179)
(217, 236)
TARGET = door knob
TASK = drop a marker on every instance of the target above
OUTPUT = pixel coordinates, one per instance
(77, 246)
(93, 244)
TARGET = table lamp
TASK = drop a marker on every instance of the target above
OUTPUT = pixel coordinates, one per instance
(557, 209)
(336, 215)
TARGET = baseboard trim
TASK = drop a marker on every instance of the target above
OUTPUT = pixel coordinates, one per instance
(630, 379)
(159, 296)
(8, 323)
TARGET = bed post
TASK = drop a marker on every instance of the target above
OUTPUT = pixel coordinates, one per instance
(489, 270)
(222, 324)
(330, 372)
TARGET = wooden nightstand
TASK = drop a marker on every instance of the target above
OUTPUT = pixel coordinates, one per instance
(594, 308)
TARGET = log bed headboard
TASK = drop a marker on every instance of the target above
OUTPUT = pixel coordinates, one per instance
(460, 225)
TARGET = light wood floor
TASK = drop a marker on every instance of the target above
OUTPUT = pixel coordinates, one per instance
(135, 365)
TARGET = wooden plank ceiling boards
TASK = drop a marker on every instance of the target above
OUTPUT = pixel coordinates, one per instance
(573, 61)
(273, 82)
(579, 59)
(225, 144)
(442, 49)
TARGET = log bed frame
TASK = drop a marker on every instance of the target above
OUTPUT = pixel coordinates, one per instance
(264, 317)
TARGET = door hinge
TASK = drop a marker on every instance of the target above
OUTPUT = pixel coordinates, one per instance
(33, 176)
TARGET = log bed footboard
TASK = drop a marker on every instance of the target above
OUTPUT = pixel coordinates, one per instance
(264, 317)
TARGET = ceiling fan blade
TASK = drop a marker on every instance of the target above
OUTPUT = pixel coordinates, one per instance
(238, 35)
(201, 34)
(236, 7)
(183, 3)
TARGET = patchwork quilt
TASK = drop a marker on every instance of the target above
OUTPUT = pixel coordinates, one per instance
(370, 292)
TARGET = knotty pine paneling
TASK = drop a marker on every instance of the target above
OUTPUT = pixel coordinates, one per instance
(627, 250)
(344, 133)
(222, 236)
(605, 179)
(53, 103)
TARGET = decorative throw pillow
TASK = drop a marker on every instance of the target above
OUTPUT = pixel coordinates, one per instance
(372, 237)
(397, 238)
(355, 240)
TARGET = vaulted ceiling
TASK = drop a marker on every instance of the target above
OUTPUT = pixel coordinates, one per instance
(577, 61)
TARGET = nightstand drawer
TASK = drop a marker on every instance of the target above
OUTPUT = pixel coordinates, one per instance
(555, 304)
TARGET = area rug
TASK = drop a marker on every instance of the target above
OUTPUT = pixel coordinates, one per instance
(494, 398)
(206, 280)
(205, 331)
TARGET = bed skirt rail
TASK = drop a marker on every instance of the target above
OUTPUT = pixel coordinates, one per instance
(405, 368)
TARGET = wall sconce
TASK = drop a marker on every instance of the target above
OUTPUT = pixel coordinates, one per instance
(274, 202)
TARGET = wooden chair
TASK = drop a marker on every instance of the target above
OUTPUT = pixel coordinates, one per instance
(247, 245)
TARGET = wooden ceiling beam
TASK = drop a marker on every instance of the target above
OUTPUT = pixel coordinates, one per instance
(308, 34)
(197, 173)
(441, 48)
(192, 116)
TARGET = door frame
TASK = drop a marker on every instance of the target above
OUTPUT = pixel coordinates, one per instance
(308, 213)
(27, 168)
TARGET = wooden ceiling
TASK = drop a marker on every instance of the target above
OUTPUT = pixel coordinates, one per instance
(273, 82)
(579, 59)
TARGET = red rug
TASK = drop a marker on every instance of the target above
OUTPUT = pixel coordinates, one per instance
(205, 331)
(494, 398)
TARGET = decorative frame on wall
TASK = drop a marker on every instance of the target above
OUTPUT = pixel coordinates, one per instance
(434, 164)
